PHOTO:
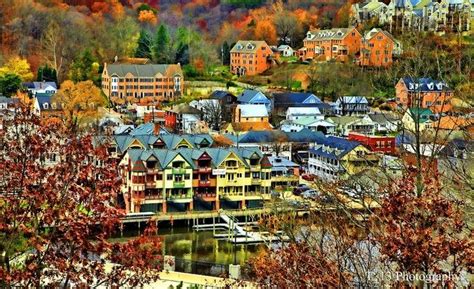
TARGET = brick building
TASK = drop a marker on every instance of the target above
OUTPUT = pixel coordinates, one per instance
(377, 48)
(382, 144)
(250, 57)
(164, 82)
(424, 93)
(337, 43)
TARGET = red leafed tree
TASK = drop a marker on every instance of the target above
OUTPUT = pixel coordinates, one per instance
(423, 232)
(57, 211)
(296, 265)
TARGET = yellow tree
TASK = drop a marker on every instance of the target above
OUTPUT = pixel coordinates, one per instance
(18, 66)
(79, 102)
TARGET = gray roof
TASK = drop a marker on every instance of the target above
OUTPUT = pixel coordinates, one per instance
(328, 34)
(142, 70)
(383, 118)
(248, 46)
(8, 100)
(39, 84)
(253, 110)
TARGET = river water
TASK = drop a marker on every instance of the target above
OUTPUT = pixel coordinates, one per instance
(183, 242)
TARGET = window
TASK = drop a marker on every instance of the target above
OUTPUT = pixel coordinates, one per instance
(169, 177)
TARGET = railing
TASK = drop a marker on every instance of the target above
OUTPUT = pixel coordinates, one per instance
(179, 184)
(154, 197)
(205, 195)
(180, 196)
(150, 185)
(201, 268)
(204, 170)
(205, 183)
(256, 181)
(179, 171)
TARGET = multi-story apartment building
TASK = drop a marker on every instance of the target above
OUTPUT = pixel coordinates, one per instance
(334, 158)
(338, 43)
(378, 48)
(424, 93)
(164, 82)
(249, 57)
(162, 180)
(404, 15)
(376, 143)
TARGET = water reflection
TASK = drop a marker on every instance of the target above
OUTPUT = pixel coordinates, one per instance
(185, 243)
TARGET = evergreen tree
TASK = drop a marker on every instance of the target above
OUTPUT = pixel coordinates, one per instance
(10, 83)
(85, 67)
(225, 53)
(46, 73)
(182, 54)
(144, 45)
(161, 45)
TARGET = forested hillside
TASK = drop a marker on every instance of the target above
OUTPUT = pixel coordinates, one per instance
(60, 34)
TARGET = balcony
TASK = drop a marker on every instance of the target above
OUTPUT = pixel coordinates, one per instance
(204, 170)
(233, 196)
(206, 196)
(179, 171)
(150, 185)
(154, 197)
(256, 181)
(180, 198)
(181, 184)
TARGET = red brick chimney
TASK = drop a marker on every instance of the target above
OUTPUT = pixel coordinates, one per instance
(156, 128)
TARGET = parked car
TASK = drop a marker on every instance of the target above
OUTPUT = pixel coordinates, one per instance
(300, 189)
(275, 194)
(310, 194)
(298, 205)
(308, 177)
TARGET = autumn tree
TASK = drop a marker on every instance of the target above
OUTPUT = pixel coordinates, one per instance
(423, 232)
(18, 66)
(58, 210)
(79, 102)
(287, 27)
(265, 30)
(147, 16)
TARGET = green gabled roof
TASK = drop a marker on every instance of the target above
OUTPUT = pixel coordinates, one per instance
(422, 114)
(343, 120)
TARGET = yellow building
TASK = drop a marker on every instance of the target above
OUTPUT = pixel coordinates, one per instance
(414, 115)
(163, 180)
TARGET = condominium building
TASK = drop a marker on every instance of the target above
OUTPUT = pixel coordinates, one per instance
(249, 57)
(424, 93)
(406, 15)
(163, 82)
(163, 180)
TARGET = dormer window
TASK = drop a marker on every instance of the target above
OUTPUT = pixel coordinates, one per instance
(439, 85)
(250, 46)
(45, 106)
(239, 46)
(411, 86)
(53, 105)
(430, 86)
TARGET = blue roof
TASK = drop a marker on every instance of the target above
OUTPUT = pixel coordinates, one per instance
(220, 94)
(334, 147)
(250, 96)
(294, 98)
(352, 100)
(304, 135)
(147, 129)
(424, 84)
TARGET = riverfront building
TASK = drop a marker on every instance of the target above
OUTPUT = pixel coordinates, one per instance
(185, 179)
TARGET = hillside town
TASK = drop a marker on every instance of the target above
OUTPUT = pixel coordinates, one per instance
(298, 141)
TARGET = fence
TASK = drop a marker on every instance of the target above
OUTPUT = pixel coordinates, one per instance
(201, 268)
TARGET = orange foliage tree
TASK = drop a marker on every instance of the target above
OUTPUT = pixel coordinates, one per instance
(265, 30)
(147, 16)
